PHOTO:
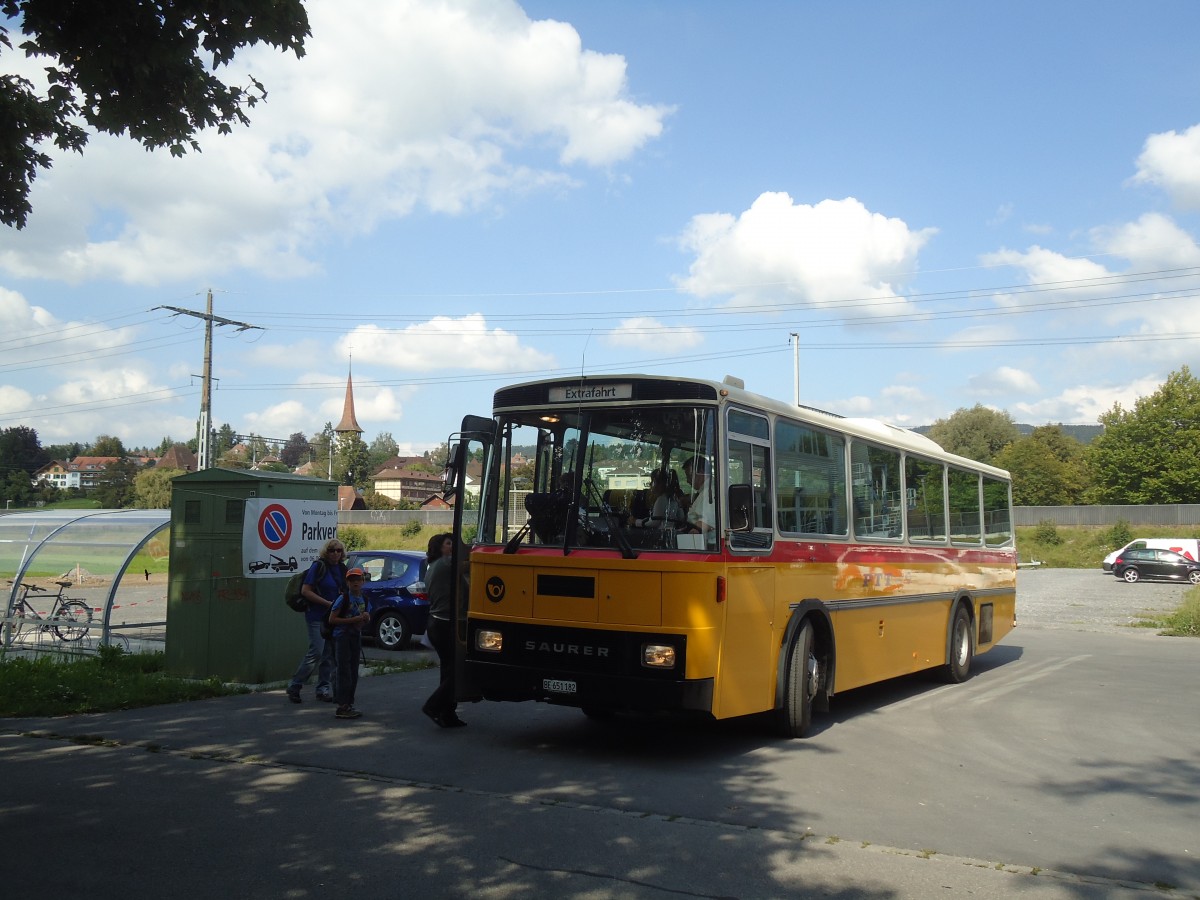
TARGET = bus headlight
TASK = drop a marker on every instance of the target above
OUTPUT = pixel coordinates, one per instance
(491, 641)
(658, 656)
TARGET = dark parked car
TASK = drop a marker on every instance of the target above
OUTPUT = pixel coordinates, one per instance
(395, 592)
(1134, 565)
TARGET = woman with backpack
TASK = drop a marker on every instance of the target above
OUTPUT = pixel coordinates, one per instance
(324, 583)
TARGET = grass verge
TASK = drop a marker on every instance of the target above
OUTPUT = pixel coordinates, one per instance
(49, 686)
(1084, 547)
(1183, 622)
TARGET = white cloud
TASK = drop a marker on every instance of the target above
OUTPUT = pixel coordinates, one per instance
(1172, 161)
(1083, 404)
(434, 105)
(119, 400)
(1047, 267)
(833, 252)
(1002, 381)
(850, 406)
(647, 333)
(1152, 242)
(13, 400)
(443, 342)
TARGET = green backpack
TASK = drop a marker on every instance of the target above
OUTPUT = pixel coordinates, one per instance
(292, 593)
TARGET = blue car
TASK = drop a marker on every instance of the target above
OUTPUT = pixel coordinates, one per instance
(395, 592)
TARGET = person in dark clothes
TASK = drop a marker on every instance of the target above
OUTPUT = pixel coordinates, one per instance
(439, 583)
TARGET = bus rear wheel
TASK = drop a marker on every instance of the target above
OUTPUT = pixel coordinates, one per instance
(801, 683)
(962, 647)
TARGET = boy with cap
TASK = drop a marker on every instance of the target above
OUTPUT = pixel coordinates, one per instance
(347, 619)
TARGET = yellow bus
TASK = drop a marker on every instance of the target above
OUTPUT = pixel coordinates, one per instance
(660, 544)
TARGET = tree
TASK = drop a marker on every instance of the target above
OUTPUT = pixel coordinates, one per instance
(129, 66)
(21, 452)
(114, 488)
(375, 500)
(1150, 454)
(1048, 468)
(17, 489)
(380, 450)
(435, 459)
(322, 448)
(152, 488)
(350, 461)
(978, 433)
(63, 452)
(107, 445)
(295, 450)
(223, 441)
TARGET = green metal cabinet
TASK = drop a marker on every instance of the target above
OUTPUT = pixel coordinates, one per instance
(225, 612)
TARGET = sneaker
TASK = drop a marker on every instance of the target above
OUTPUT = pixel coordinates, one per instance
(347, 712)
(293, 694)
(327, 696)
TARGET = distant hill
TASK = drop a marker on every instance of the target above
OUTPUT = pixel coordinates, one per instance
(1085, 434)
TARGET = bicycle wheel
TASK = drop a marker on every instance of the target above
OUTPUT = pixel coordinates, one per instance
(73, 620)
(18, 621)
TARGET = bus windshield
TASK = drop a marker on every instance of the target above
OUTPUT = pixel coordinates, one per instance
(629, 478)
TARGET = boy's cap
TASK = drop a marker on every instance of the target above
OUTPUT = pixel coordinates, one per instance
(356, 572)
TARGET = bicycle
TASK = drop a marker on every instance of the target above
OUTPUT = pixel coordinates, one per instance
(69, 619)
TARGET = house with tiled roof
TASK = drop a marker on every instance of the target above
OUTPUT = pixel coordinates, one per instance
(178, 457)
(82, 472)
(56, 474)
(399, 462)
(410, 484)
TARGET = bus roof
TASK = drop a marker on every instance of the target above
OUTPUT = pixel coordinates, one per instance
(732, 390)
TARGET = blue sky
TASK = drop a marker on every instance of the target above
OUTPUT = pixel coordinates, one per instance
(949, 203)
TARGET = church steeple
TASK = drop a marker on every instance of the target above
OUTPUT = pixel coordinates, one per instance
(348, 423)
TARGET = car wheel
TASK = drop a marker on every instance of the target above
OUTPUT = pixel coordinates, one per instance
(1131, 575)
(1194, 576)
(391, 631)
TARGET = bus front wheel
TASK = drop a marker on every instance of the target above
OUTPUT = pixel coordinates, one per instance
(800, 686)
(962, 647)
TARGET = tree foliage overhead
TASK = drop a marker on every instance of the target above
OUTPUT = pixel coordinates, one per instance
(136, 67)
(978, 433)
(1151, 454)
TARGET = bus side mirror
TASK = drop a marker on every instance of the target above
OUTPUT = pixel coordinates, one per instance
(450, 473)
(741, 503)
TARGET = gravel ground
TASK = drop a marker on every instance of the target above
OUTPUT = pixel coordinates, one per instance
(1090, 600)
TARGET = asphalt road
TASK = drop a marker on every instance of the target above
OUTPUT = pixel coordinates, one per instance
(1066, 767)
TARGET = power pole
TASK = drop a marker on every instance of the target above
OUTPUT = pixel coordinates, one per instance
(204, 456)
(796, 368)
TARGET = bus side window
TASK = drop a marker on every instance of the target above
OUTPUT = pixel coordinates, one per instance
(810, 491)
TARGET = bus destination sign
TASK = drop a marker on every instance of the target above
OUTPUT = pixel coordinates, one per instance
(591, 393)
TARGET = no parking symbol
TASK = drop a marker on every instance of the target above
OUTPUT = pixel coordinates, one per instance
(275, 526)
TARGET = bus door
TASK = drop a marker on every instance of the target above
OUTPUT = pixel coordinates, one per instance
(746, 673)
(471, 477)
(745, 676)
